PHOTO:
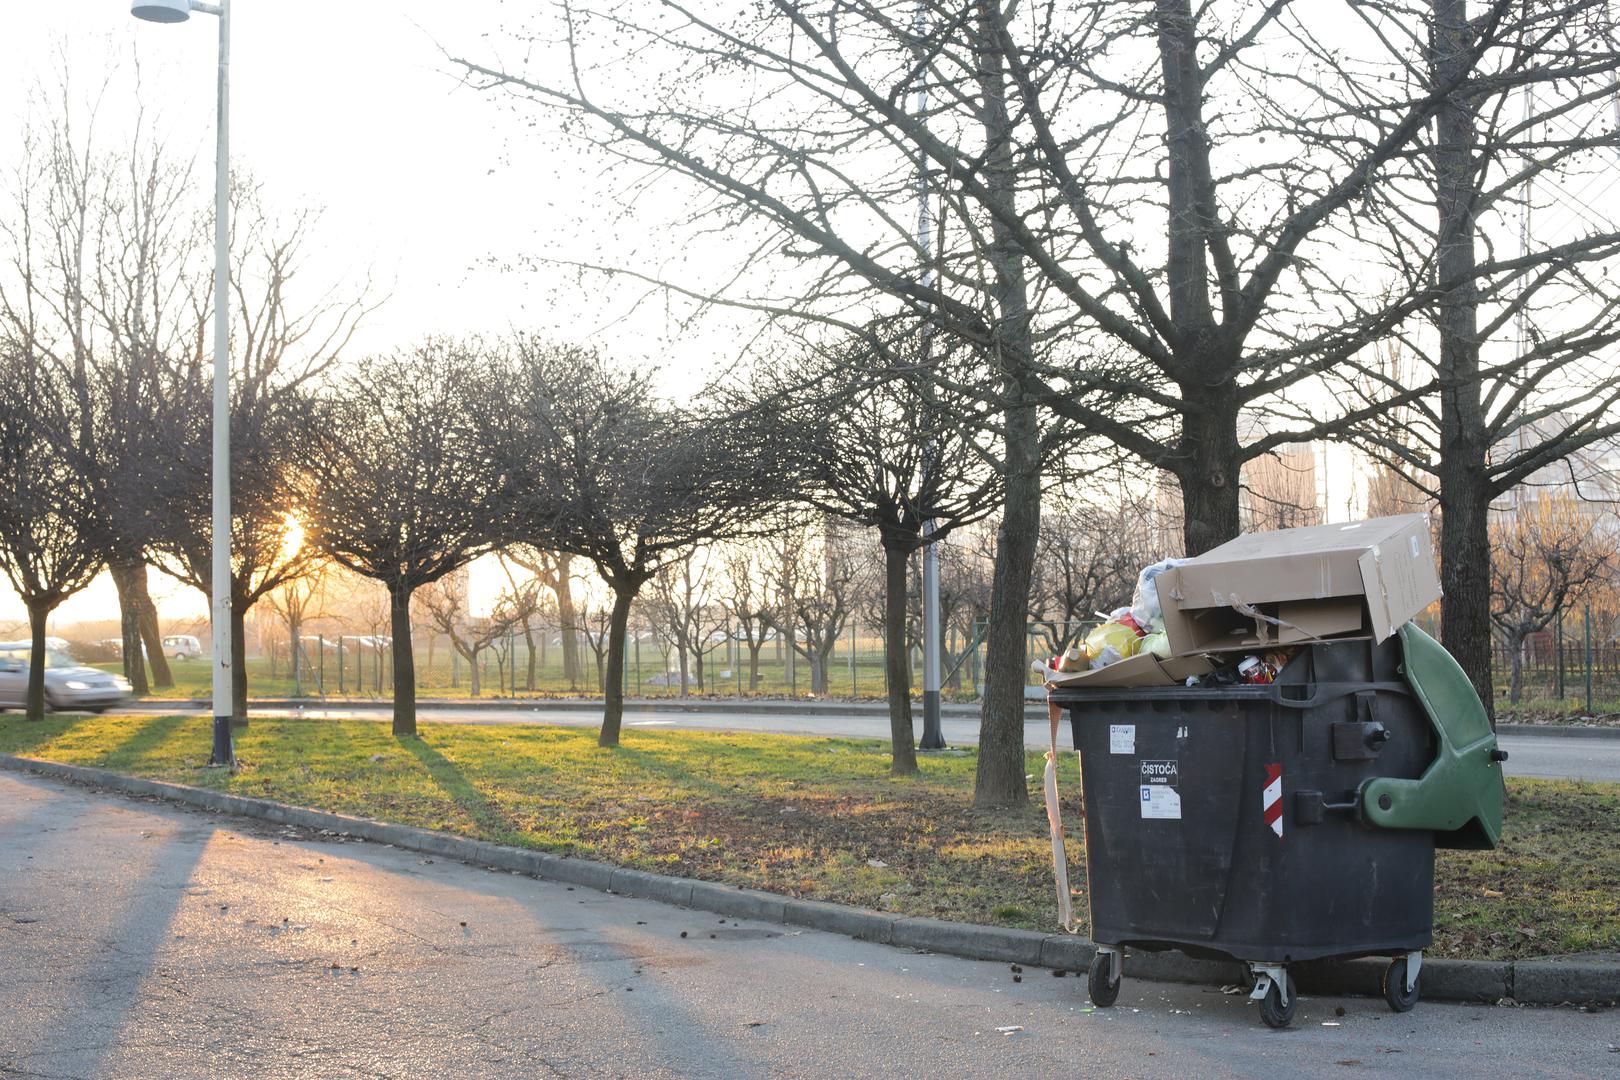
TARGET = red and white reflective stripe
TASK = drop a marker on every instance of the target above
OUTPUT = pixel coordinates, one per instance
(1271, 800)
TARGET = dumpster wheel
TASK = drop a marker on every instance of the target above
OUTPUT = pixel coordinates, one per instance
(1397, 994)
(1101, 980)
(1273, 1011)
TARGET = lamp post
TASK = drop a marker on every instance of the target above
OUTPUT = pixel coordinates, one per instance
(933, 738)
(174, 11)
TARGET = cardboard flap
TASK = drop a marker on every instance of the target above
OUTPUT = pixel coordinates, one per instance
(1377, 597)
(1144, 670)
(1312, 620)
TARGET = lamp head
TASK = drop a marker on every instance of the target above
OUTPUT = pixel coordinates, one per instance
(161, 11)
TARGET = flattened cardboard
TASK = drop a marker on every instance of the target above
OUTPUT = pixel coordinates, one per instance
(1288, 622)
(1143, 670)
(1364, 579)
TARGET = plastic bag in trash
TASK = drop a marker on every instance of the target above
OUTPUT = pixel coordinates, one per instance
(1145, 608)
(1111, 642)
(1157, 644)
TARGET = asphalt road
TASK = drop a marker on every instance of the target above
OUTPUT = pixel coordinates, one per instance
(1543, 756)
(142, 940)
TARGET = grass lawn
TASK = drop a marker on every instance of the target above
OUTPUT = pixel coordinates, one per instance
(808, 816)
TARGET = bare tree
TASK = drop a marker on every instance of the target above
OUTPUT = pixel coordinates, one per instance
(299, 599)
(823, 600)
(594, 464)
(746, 599)
(684, 608)
(522, 601)
(446, 605)
(279, 354)
(554, 570)
(96, 278)
(396, 485)
(1544, 555)
(1091, 552)
(594, 623)
(881, 444)
(1502, 218)
(51, 534)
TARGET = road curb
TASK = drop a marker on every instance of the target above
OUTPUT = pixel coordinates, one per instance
(1562, 731)
(1532, 982)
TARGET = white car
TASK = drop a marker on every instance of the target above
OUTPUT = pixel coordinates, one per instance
(69, 685)
(182, 647)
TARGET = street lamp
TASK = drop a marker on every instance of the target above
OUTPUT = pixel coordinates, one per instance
(174, 11)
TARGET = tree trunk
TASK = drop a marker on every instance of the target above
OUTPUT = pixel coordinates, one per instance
(477, 687)
(34, 699)
(791, 671)
(399, 605)
(681, 659)
(697, 670)
(294, 632)
(129, 619)
(999, 779)
(1465, 493)
(528, 641)
(753, 665)
(151, 633)
(1209, 471)
(902, 737)
(239, 679)
(818, 673)
(565, 617)
(613, 679)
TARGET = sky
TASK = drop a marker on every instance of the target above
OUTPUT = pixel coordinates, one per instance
(429, 189)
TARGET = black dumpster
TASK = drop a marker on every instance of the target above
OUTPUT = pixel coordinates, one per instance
(1227, 821)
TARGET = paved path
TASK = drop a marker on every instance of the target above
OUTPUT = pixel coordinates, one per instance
(1542, 756)
(142, 940)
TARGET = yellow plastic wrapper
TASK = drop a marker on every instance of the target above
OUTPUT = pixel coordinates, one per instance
(1117, 636)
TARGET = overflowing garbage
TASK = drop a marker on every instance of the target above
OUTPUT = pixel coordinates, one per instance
(1237, 614)
(1271, 750)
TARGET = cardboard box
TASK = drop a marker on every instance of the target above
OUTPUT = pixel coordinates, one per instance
(1323, 582)
(1144, 670)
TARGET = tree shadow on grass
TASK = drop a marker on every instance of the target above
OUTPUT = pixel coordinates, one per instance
(145, 739)
(680, 776)
(19, 735)
(492, 820)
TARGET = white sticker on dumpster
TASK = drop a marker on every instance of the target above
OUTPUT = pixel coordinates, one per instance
(1160, 799)
(1122, 738)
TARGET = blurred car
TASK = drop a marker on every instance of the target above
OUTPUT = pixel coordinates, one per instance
(69, 685)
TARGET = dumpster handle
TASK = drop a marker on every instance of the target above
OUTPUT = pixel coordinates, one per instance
(1324, 692)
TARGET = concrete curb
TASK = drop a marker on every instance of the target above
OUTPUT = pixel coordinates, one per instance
(715, 706)
(1532, 982)
(1562, 731)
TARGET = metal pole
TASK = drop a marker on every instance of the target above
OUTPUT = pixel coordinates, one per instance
(343, 690)
(320, 665)
(220, 608)
(933, 738)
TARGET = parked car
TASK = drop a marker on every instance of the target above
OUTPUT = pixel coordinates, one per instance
(182, 647)
(69, 685)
